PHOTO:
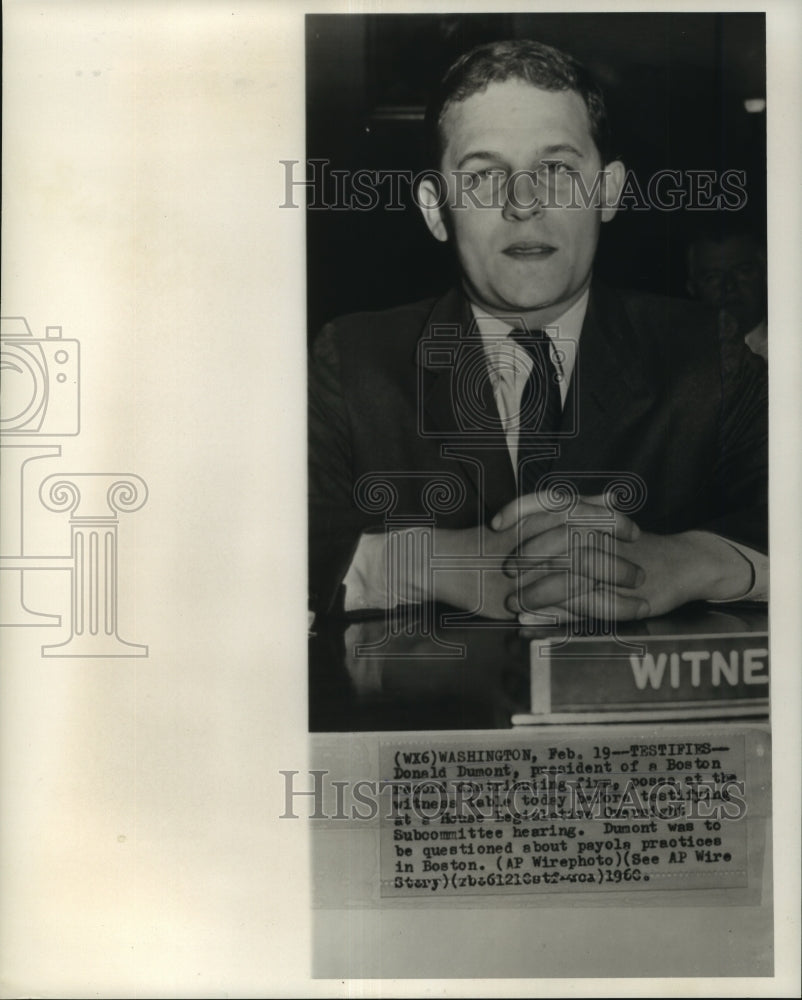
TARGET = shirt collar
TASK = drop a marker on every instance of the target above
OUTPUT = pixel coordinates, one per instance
(493, 329)
(757, 333)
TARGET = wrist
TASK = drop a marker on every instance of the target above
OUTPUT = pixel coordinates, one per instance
(475, 582)
(457, 587)
(712, 569)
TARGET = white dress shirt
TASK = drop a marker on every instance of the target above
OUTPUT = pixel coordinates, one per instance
(757, 340)
(509, 366)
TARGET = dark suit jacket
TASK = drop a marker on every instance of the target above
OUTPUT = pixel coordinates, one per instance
(657, 391)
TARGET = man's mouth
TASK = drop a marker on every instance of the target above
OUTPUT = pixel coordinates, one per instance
(529, 250)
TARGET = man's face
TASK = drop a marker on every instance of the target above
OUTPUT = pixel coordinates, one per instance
(529, 253)
(731, 275)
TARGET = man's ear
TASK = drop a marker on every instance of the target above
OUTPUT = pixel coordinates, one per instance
(613, 183)
(432, 196)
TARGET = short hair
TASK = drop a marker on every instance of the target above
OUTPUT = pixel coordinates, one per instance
(723, 227)
(540, 65)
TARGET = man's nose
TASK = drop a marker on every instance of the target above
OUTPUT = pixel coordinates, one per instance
(730, 282)
(522, 196)
(733, 281)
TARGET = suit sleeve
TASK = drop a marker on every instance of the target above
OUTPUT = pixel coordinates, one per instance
(742, 453)
(335, 524)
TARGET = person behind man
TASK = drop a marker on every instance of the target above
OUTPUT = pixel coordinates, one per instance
(727, 269)
(631, 385)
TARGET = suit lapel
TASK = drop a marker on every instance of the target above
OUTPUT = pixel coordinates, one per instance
(458, 408)
(609, 393)
(609, 390)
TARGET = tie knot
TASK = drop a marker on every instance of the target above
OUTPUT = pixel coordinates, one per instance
(534, 342)
(525, 337)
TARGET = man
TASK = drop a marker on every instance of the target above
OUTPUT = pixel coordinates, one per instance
(727, 270)
(627, 386)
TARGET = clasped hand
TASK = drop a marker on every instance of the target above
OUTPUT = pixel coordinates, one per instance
(591, 567)
(599, 565)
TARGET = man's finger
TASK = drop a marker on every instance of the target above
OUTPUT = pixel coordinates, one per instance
(607, 604)
(584, 518)
(588, 562)
(533, 517)
(550, 588)
(602, 604)
(533, 503)
(571, 590)
(516, 509)
(608, 567)
(539, 551)
(535, 621)
(595, 557)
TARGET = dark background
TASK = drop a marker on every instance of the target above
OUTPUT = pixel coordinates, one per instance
(675, 87)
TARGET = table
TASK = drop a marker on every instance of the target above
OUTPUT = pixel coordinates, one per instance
(405, 682)
(376, 689)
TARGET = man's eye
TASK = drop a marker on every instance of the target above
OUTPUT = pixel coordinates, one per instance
(557, 167)
(489, 173)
